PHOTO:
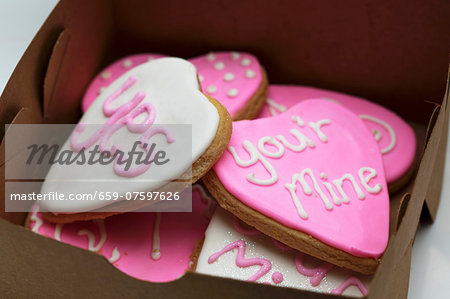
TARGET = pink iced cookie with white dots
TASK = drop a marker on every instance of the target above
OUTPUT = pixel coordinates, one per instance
(395, 138)
(111, 73)
(235, 79)
(155, 247)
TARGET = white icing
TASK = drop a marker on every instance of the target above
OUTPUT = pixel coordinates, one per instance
(219, 65)
(272, 141)
(232, 92)
(323, 176)
(211, 56)
(228, 77)
(127, 63)
(156, 247)
(201, 78)
(365, 179)
(246, 62)
(317, 126)
(235, 55)
(292, 187)
(255, 156)
(298, 120)
(37, 221)
(388, 128)
(376, 134)
(302, 139)
(172, 87)
(115, 256)
(221, 232)
(150, 58)
(211, 89)
(58, 229)
(250, 74)
(105, 75)
(274, 106)
(91, 236)
(348, 177)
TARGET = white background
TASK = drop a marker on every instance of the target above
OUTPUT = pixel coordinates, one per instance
(430, 268)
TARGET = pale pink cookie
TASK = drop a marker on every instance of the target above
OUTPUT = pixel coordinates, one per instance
(395, 137)
(148, 246)
(111, 73)
(312, 178)
(276, 263)
(235, 79)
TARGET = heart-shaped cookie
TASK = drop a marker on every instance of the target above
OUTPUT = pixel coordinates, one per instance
(111, 73)
(394, 136)
(236, 79)
(150, 246)
(157, 102)
(311, 178)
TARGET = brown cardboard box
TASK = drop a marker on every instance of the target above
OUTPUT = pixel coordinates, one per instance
(395, 54)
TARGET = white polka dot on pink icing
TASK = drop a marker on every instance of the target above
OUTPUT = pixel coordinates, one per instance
(236, 77)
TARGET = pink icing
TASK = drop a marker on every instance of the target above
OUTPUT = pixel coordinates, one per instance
(241, 261)
(351, 281)
(131, 235)
(277, 277)
(359, 225)
(230, 77)
(111, 73)
(316, 274)
(396, 161)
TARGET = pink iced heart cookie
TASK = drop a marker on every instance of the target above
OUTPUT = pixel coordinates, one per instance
(236, 80)
(395, 137)
(150, 246)
(111, 73)
(311, 178)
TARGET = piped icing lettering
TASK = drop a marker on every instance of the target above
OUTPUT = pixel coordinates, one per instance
(91, 236)
(241, 261)
(274, 107)
(255, 157)
(119, 117)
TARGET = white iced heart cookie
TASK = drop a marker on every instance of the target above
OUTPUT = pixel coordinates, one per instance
(149, 104)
